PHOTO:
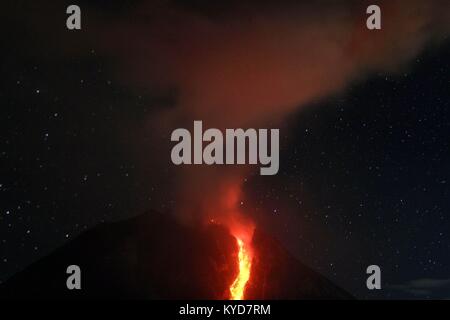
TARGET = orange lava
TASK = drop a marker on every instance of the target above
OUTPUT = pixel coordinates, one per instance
(245, 263)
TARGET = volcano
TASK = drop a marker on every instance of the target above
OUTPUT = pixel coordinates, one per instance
(153, 256)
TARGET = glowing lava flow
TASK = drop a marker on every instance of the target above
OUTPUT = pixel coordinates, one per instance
(245, 263)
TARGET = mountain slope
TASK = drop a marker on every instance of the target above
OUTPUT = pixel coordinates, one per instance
(152, 256)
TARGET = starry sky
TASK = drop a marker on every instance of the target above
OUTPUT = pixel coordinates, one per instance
(377, 182)
(364, 172)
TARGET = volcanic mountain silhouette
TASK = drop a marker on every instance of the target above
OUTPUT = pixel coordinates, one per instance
(153, 256)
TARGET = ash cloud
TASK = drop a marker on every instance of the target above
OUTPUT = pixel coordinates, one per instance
(252, 65)
(245, 64)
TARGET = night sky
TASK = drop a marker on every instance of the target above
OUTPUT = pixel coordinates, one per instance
(364, 170)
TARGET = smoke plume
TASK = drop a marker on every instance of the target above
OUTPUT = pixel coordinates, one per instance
(252, 64)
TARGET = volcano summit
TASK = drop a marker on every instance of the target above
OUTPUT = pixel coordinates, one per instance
(152, 256)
